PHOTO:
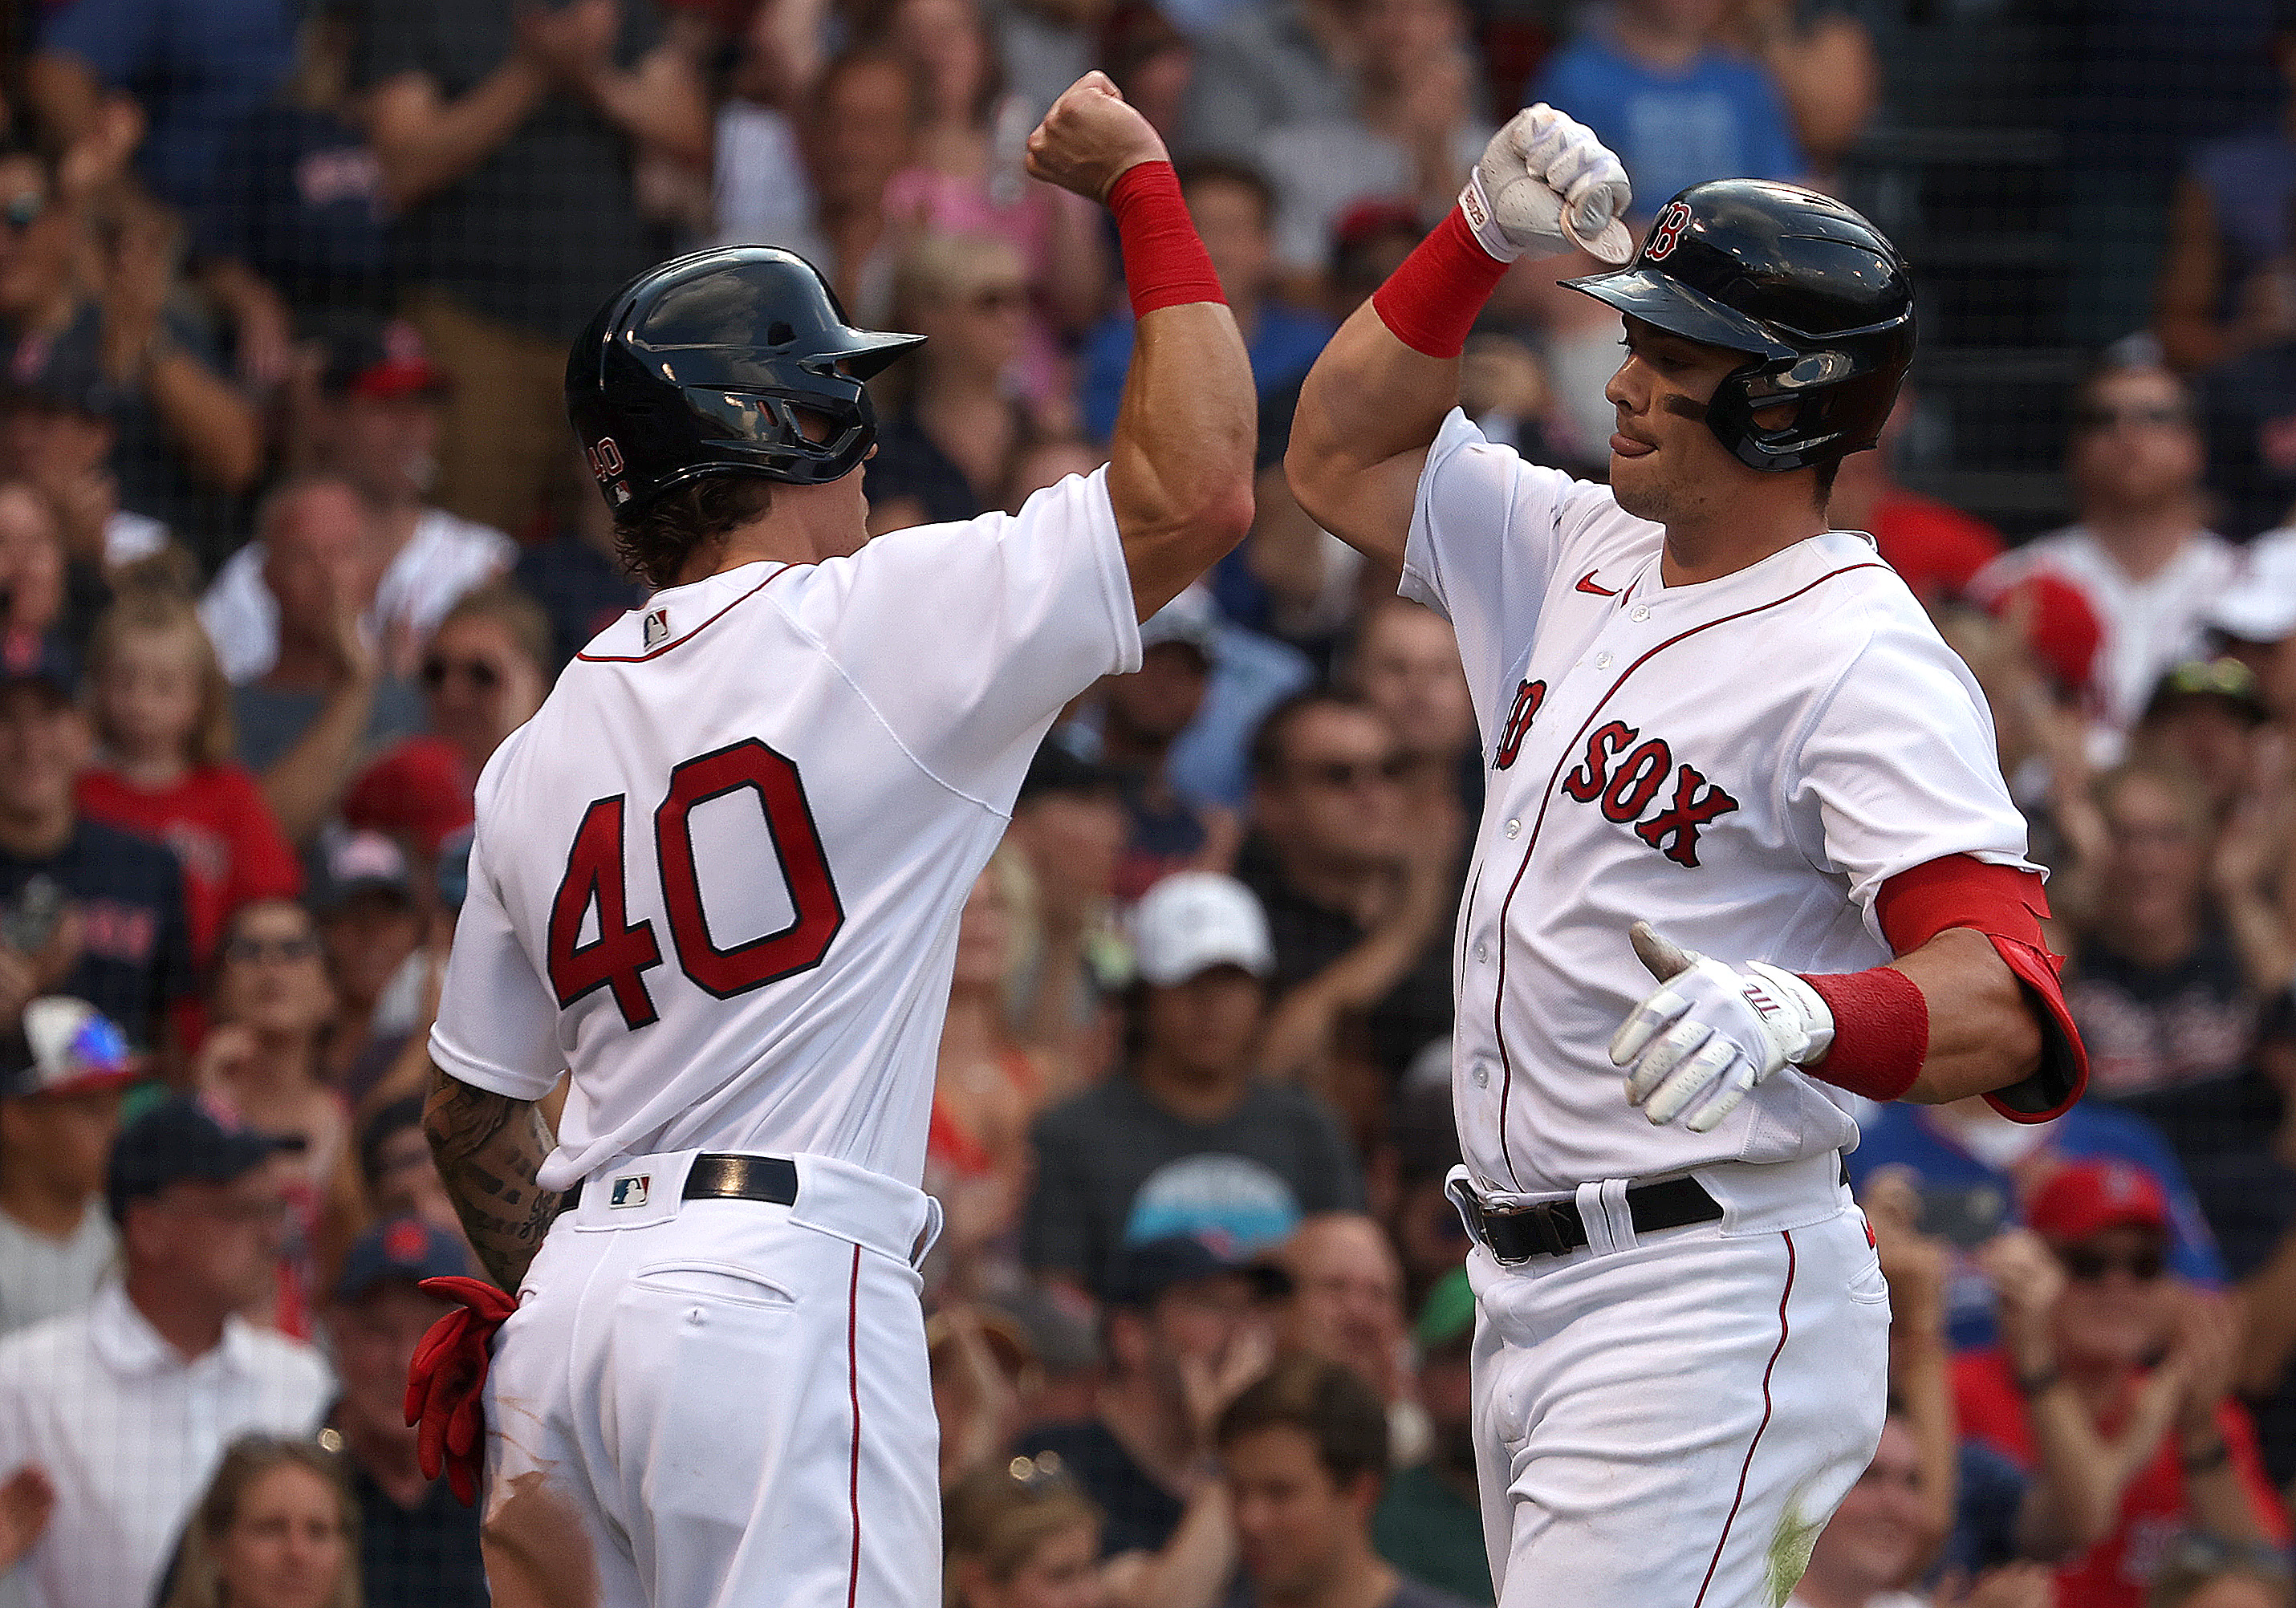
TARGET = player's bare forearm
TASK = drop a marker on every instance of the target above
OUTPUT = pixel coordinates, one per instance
(1982, 1033)
(489, 1148)
(1179, 468)
(1368, 411)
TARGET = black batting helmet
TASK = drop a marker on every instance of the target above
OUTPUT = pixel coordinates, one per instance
(1812, 292)
(696, 368)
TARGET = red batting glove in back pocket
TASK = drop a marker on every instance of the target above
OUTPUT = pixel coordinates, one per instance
(446, 1383)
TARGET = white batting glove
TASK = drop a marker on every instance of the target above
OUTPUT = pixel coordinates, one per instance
(1711, 1031)
(1546, 185)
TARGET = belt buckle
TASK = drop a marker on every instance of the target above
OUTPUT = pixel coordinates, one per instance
(1545, 1226)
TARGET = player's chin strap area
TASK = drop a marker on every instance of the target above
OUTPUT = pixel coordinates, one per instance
(2006, 904)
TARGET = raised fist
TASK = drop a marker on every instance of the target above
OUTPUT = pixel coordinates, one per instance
(1546, 186)
(1089, 136)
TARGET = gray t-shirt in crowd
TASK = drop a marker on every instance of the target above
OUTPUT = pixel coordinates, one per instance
(546, 226)
(269, 720)
(1114, 1168)
(41, 1278)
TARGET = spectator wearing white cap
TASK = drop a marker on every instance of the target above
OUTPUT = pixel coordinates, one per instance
(60, 1080)
(1186, 1138)
(2256, 619)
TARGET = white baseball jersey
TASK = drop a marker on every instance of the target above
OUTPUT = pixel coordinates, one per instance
(1743, 763)
(717, 875)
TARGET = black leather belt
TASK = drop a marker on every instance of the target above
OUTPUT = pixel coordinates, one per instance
(1516, 1233)
(718, 1177)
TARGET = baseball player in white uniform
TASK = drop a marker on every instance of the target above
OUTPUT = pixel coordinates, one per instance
(1746, 853)
(717, 879)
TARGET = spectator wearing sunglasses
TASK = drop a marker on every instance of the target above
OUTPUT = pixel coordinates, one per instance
(2140, 551)
(2114, 1382)
(484, 673)
(1359, 897)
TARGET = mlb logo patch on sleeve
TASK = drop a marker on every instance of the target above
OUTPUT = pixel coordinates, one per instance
(630, 1190)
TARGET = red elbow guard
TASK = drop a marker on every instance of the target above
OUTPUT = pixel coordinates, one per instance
(2007, 905)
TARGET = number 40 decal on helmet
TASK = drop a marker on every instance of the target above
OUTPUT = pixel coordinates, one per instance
(1667, 231)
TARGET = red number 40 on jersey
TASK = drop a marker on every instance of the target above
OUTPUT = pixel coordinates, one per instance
(622, 954)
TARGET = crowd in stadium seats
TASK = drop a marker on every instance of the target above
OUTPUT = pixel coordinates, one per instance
(292, 536)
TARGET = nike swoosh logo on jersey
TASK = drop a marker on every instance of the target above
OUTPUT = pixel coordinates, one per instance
(1587, 584)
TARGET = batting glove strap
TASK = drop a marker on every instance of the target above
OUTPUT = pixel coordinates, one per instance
(1712, 1031)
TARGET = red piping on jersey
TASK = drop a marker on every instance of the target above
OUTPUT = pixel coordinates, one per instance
(1747, 1467)
(1569, 750)
(689, 635)
(852, 1382)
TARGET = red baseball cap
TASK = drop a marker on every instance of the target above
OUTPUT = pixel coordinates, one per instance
(2088, 1197)
(2064, 635)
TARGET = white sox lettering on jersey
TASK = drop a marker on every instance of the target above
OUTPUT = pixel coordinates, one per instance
(1742, 763)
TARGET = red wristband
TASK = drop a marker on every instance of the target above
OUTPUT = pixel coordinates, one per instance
(1880, 1031)
(1165, 263)
(1435, 295)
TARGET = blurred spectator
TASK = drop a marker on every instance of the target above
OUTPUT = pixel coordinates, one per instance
(2203, 1572)
(1414, 128)
(1068, 824)
(1305, 1452)
(1044, 45)
(1233, 209)
(2248, 412)
(1359, 901)
(1182, 1339)
(1187, 1138)
(376, 424)
(1346, 1306)
(860, 129)
(575, 576)
(61, 441)
(1269, 67)
(394, 1166)
(1405, 664)
(61, 1075)
(1422, 1223)
(986, 1383)
(2206, 719)
(2119, 1380)
(1874, 1543)
(88, 312)
(33, 582)
(1142, 715)
(2255, 621)
(1937, 548)
(277, 1528)
(1972, 1170)
(98, 913)
(162, 711)
(1251, 673)
(507, 138)
(261, 1064)
(2225, 287)
(987, 1086)
(1429, 1521)
(371, 925)
(2139, 553)
(1822, 59)
(484, 672)
(418, 1547)
(293, 238)
(1023, 1534)
(1152, 65)
(1653, 78)
(127, 1406)
(2169, 979)
(326, 700)
(945, 453)
(971, 179)
(195, 69)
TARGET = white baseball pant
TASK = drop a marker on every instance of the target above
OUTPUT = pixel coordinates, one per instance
(1670, 1423)
(718, 1403)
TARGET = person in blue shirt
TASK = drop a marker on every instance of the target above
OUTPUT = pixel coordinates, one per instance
(1235, 211)
(1973, 1170)
(1650, 79)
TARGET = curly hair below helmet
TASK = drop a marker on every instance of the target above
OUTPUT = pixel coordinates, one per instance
(655, 546)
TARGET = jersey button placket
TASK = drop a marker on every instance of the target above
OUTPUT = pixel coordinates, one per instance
(1640, 614)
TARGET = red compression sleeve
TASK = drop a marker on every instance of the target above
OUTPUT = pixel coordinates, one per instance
(1434, 296)
(1880, 1031)
(1165, 263)
(2006, 904)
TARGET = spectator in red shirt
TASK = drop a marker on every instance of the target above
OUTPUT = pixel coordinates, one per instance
(2121, 1377)
(1936, 548)
(162, 713)
(485, 671)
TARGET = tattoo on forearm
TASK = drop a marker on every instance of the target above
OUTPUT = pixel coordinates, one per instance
(488, 1147)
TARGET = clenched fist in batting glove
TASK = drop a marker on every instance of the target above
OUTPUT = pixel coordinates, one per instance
(1711, 1031)
(1546, 185)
